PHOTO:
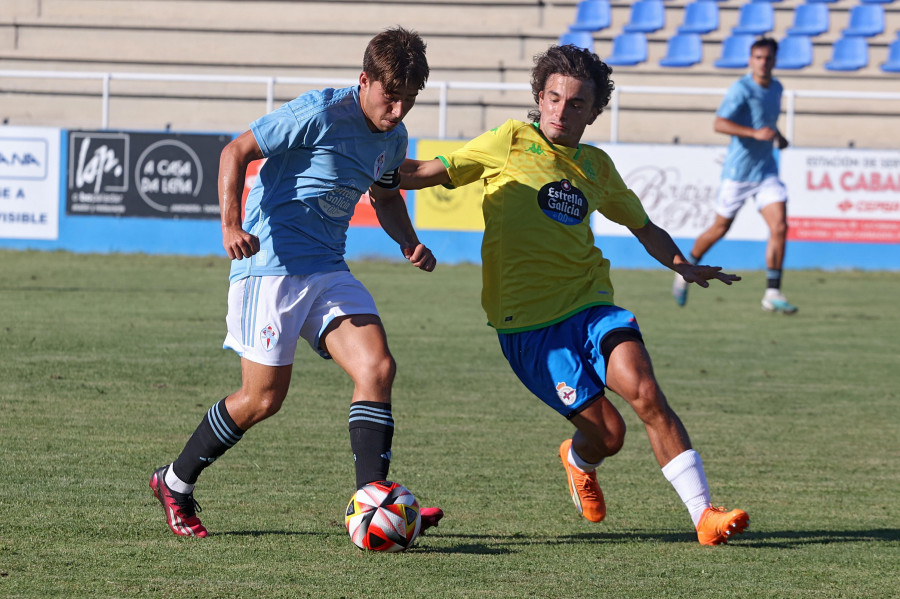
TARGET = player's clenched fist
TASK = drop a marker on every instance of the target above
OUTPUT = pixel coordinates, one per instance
(421, 257)
(238, 243)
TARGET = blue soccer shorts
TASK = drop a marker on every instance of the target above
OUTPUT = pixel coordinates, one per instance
(564, 364)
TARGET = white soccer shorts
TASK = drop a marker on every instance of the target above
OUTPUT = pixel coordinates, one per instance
(733, 194)
(268, 315)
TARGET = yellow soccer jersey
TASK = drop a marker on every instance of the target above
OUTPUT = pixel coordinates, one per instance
(540, 264)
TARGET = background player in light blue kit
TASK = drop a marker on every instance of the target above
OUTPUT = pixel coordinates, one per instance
(749, 114)
(289, 279)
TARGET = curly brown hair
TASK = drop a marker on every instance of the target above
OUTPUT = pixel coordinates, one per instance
(571, 61)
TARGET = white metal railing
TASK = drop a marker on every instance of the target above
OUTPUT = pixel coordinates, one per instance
(444, 88)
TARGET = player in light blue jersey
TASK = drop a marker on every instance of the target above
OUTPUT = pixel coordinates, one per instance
(289, 279)
(749, 114)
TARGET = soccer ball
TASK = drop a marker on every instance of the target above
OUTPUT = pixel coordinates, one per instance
(383, 516)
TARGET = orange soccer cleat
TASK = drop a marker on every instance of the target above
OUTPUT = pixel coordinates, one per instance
(717, 525)
(586, 493)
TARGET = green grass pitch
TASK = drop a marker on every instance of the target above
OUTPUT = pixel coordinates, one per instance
(108, 363)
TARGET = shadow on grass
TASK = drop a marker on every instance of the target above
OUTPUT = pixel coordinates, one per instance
(782, 539)
(796, 538)
(266, 533)
(500, 544)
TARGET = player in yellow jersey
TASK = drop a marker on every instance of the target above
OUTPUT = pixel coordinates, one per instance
(546, 286)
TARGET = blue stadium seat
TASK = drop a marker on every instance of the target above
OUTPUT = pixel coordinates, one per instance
(820, 1)
(582, 39)
(865, 20)
(735, 51)
(647, 16)
(794, 52)
(701, 16)
(893, 61)
(628, 49)
(684, 50)
(810, 19)
(591, 15)
(876, 1)
(755, 18)
(850, 53)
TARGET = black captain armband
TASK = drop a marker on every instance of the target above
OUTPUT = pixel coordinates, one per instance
(389, 180)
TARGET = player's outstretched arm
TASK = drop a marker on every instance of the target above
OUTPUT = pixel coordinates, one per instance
(233, 163)
(390, 208)
(660, 245)
(418, 174)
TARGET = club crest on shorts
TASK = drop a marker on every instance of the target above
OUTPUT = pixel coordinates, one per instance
(269, 337)
(566, 393)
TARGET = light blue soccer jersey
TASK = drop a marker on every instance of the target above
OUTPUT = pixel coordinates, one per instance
(321, 157)
(749, 104)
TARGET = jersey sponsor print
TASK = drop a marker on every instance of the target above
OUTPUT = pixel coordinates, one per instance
(563, 202)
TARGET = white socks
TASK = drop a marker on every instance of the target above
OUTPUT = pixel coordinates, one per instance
(686, 474)
(579, 463)
(175, 483)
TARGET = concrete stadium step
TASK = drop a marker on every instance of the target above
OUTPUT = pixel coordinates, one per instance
(275, 48)
(332, 15)
(481, 56)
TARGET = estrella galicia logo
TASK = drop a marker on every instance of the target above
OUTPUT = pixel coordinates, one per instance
(563, 202)
(338, 202)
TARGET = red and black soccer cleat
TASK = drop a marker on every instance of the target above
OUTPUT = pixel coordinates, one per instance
(430, 517)
(180, 508)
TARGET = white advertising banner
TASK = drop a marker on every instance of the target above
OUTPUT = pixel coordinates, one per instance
(678, 186)
(843, 195)
(29, 182)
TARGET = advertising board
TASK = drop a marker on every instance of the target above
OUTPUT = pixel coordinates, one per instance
(121, 173)
(29, 182)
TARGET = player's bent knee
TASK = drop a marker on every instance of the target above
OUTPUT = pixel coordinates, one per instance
(387, 369)
(248, 408)
(615, 431)
(779, 229)
(615, 441)
(603, 427)
(269, 405)
(607, 442)
(376, 373)
(261, 407)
